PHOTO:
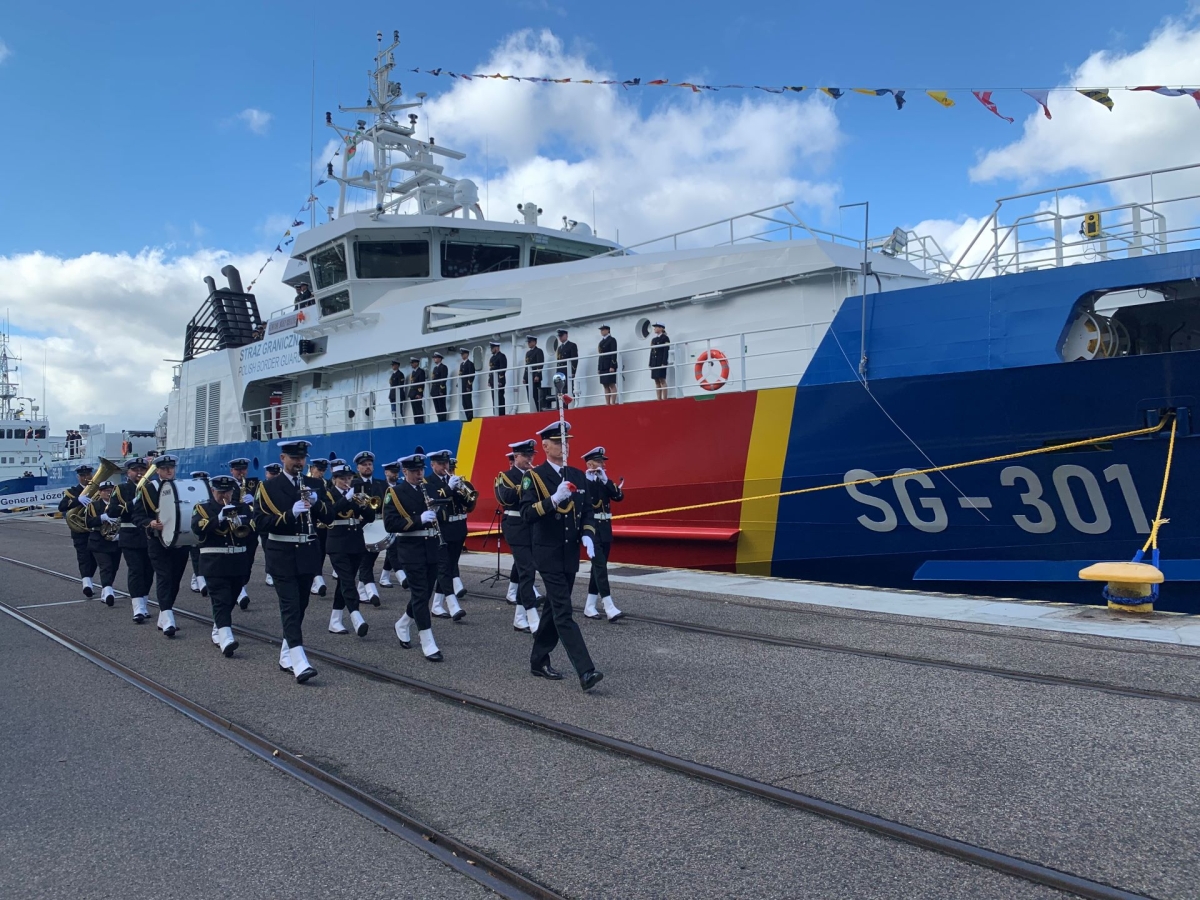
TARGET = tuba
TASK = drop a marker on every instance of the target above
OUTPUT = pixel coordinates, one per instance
(77, 517)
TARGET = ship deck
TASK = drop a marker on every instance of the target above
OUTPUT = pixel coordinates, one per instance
(751, 738)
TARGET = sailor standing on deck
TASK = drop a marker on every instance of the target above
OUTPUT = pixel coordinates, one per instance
(346, 547)
(554, 505)
(224, 526)
(601, 492)
(168, 562)
(534, 362)
(198, 586)
(316, 480)
(396, 392)
(365, 483)
(497, 376)
(72, 498)
(606, 365)
(416, 390)
(102, 539)
(660, 355)
(391, 566)
(406, 514)
(568, 359)
(287, 512)
(521, 590)
(244, 491)
(132, 540)
(466, 383)
(452, 521)
(439, 378)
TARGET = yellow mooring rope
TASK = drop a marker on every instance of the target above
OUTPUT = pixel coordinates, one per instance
(932, 470)
(1152, 541)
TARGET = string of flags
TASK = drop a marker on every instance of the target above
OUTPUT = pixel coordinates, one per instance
(298, 219)
(899, 96)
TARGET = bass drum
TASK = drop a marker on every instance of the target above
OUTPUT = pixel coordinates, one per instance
(176, 500)
(376, 537)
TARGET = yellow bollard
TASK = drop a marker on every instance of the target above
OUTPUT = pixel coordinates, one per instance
(1130, 585)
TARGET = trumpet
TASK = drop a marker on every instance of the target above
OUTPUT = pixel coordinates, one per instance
(364, 500)
(238, 529)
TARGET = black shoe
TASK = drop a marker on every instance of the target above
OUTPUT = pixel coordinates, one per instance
(243, 601)
(108, 601)
(619, 615)
(321, 591)
(436, 657)
(404, 585)
(89, 593)
(444, 615)
(139, 619)
(589, 680)
(361, 631)
(308, 673)
(228, 651)
(596, 616)
(287, 669)
(460, 615)
(204, 591)
(545, 670)
(526, 629)
(407, 645)
(375, 601)
(169, 631)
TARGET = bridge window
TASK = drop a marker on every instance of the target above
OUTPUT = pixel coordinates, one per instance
(328, 266)
(460, 259)
(391, 259)
(335, 303)
(546, 256)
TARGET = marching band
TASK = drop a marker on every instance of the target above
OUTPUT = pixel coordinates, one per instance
(549, 512)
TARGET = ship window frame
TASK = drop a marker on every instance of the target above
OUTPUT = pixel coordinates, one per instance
(317, 267)
(424, 242)
(501, 242)
(334, 304)
(576, 252)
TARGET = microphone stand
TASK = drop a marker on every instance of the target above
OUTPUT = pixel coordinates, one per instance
(492, 580)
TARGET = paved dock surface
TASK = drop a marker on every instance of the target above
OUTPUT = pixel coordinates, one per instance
(1085, 780)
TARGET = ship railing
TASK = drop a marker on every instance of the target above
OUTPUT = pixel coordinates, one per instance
(700, 367)
(1110, 218)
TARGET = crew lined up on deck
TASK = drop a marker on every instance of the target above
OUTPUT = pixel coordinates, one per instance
(551, 511)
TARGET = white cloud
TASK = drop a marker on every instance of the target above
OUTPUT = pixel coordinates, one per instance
(108, 322)
(255, 119)
(690, 159)
(5, 53)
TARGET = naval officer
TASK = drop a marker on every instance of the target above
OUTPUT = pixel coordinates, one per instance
(168, 562)
(225, 530)
(439, 379)
(72, 498)
(407, 514)
(497, 376)
(132, 540)
(601, 492)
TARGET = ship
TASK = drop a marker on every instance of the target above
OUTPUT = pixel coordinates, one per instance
(797, 359)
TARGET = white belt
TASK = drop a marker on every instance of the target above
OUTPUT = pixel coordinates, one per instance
(602, 516)
(291, 538)
(513, 512)
(427, 533)
(461, 518)
(128, 525)
(339, 523)
(222, 550)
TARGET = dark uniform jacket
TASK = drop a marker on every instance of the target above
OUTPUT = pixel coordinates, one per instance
(416, 544)
(396, 380)
(416, 384)
(97, 542)
(452, 515)
(145, 511)
(508, 495)
(214, 530)
(246, 491)
(346, 527)
(437, 384)
(659, 349)
(568, 351)
(534, 359)
(556, 531)
(600, 494)
(466, 374)
(121, 507)
(608, 355)
(498, 364)
(70, 498)
(273, 515)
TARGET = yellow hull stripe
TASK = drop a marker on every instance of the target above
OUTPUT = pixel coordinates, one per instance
(765, 458)
(468, 447)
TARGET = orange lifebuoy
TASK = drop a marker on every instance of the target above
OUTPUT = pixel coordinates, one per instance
(713, 356)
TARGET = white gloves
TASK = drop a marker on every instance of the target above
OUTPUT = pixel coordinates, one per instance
(312, 496)
(348, 493)
(589, 546)
(454, 481)
(561, 493)
(86, 501)
(299, 507)
(106, 518)
(428, 517)
(590, 474)
(602, 475)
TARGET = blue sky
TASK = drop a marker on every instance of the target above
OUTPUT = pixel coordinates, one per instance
(124, 128)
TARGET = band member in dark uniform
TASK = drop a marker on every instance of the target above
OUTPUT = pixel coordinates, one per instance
(532, 377)
(439, 377)
(168, 562)
(497, 376)
(567, 355)
(660, 349)
(466, 383)
(416, 390)
(365, 482)
(554, 505)
(601, 492)
(396, 392)
(224, 526)
(470, 497)
(315, 479)
(452, 521)
(244, 491)
(517, 535)
(72, 499)
(407, 514)
(132, 540)
(606, 365)
(346, 547)
(103, 539)
(286, 512)
(198, 585)
(391, 565)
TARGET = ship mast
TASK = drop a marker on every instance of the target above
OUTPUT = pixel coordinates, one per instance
(421, 179)
(8, 388)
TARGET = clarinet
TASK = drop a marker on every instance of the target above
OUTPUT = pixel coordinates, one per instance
(432, 507)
